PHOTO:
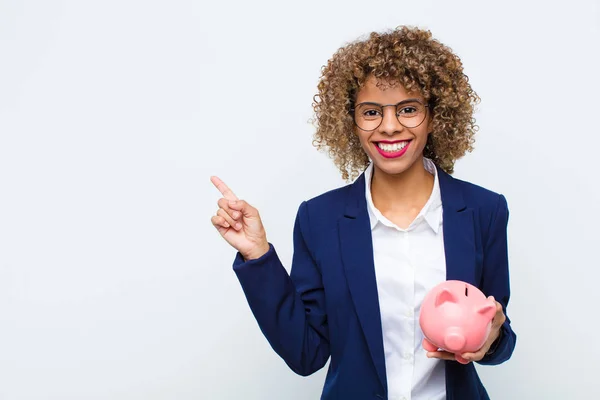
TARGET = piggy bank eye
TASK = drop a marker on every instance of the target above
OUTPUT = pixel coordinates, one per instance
(467, 291)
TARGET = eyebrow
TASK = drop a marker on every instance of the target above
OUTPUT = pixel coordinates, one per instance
(402, 102)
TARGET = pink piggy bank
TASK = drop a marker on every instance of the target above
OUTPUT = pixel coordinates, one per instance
(456, 317)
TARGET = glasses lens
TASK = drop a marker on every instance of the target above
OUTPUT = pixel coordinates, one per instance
(368, 116)
(411, 114)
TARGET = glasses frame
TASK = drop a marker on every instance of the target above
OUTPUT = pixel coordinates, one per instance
(353, 109)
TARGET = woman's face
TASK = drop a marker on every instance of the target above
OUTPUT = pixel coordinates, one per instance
(402, 146)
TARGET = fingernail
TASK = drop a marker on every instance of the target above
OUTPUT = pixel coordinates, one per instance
(232, 202)
(238, 226)
(236, 214)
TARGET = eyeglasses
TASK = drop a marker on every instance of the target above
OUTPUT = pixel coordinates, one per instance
(368, 116)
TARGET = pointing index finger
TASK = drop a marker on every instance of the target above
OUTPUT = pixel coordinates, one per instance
(223, 188)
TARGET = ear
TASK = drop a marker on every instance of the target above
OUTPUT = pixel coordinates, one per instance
(488, 310)
(445, 296)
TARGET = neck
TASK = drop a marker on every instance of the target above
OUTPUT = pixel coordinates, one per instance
(403, 192)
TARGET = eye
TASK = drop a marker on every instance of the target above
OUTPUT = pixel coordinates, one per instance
(407, 110)
(371, 112)
(467, 291)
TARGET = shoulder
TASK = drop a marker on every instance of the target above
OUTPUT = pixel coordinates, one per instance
(479, 197)
(330, 198)
(490, 207)
(327, 205)
(318, 215)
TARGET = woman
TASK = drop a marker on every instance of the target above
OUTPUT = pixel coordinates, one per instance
(398, 108)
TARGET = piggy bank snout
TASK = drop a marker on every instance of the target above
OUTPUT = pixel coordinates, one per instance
(454, 341)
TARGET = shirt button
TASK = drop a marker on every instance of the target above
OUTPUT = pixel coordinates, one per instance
(407, 356)
(410, 313)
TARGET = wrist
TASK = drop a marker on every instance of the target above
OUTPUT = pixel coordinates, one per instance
(495, 344)
(257, 252)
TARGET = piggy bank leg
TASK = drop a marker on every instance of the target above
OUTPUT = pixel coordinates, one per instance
(427, 345)
(460, 359)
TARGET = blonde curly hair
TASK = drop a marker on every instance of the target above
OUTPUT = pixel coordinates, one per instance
(411, 57)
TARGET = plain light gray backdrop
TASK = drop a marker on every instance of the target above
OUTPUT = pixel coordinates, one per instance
(114, 114)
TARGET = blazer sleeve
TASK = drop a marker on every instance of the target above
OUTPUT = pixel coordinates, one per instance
(495, 281)
(289, 309)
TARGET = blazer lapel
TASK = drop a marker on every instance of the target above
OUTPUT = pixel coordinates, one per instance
(357, 256)
(459, 231)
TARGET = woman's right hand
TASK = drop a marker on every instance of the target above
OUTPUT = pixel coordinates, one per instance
(239, 223)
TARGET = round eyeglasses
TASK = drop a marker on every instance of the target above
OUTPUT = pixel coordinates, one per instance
(368, 116)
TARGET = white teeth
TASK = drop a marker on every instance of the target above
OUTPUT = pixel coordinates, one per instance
(392, 147)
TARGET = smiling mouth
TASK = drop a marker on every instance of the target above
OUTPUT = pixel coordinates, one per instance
(392, 147)
(392, 150)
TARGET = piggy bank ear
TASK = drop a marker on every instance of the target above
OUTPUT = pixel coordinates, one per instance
(488, 310)
(445, 296)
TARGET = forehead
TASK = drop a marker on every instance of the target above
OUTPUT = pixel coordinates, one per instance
(384, 91)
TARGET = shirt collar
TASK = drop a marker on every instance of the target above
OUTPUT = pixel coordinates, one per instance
(431, 211)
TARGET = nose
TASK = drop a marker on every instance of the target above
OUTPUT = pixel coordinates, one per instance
(390, 124)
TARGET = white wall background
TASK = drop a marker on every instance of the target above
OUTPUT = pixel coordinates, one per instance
(114, 114)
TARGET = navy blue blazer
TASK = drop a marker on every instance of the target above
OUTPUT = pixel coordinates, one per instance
(328, 305)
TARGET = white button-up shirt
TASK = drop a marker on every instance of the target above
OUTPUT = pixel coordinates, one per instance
(408, 263)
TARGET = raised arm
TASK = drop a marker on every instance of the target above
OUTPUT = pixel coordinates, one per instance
(290, 311)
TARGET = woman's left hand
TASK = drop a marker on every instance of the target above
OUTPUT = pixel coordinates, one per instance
(497, 322)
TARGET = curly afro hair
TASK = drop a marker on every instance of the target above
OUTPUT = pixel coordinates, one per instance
(408, 56)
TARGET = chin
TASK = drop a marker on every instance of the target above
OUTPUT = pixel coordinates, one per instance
(401, 163)
(393, 168)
